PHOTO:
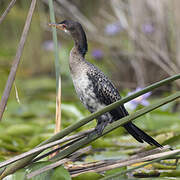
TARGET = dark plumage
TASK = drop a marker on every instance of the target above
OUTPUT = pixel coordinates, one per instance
(93, 88)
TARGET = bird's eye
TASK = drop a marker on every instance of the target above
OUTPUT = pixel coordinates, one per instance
(64, 26)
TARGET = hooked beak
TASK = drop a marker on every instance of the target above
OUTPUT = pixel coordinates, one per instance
(58, 26)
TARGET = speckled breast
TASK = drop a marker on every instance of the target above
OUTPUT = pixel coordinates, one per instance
(85, 91)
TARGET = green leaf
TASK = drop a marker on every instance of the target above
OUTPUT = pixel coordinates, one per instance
(35, 140)
(21, 130)
(173, 173)
(173, 140)
(88, 176)
(19, 175)
(9, 147)
(43, 176)
(115, 170)
(60, 173)
(102, 143)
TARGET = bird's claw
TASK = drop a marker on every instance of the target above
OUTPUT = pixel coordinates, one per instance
(98, 129)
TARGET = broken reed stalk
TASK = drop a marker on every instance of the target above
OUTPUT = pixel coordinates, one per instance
(165, 156)
(43, 147)
(55, 150)
(16, 60)
(58, 108)
(58, 75)
(23, 162)
(58, 163)
(57, 69)
(11, 4)
(105, 165)
(101, 166)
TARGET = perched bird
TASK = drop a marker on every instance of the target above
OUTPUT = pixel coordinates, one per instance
(93, 88)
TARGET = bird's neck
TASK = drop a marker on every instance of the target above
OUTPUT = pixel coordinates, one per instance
(76, 62)
(77, 55)
(81, 47)
(80, 42)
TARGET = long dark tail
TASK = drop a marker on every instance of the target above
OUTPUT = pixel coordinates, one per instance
(140, 135)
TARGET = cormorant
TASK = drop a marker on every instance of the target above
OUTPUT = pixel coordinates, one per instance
(93, 88)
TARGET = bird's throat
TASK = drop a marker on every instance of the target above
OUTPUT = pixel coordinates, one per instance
(80, 41)
(81, 46)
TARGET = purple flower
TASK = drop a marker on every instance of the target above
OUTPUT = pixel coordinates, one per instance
(113, 29)
(97, 54)
(48, 45)
(139, 100)
(148, 28)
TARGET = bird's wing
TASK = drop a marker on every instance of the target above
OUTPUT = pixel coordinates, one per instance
(107, 94)
(106, 91)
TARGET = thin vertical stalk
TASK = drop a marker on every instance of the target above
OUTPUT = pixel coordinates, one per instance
(14, 69)
(58, 76)
(16, 60)
(57, 69)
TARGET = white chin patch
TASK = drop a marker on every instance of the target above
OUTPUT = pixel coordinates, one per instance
(66, 31)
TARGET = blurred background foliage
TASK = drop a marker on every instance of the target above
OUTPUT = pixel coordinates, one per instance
(135, 43)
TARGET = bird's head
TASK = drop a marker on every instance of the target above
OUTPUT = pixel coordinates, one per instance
(76, 31)
(67, 26)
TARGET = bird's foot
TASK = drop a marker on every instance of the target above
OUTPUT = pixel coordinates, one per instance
(92, 133)
(98, 130)
(100, 127)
